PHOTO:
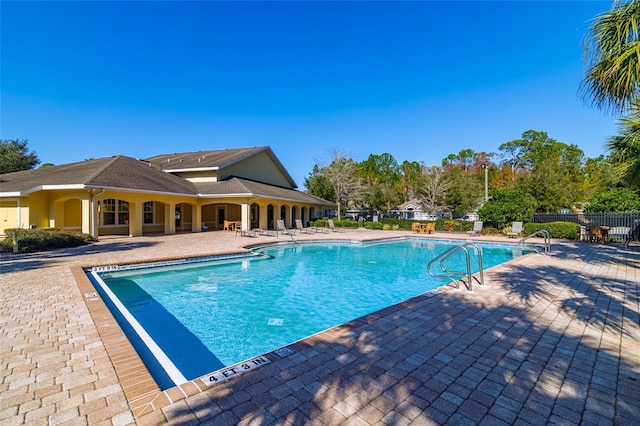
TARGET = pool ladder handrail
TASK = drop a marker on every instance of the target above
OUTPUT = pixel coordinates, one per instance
(442, 257)
(547, 240)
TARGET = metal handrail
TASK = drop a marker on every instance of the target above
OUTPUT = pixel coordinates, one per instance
(547, 240)
(442, 257)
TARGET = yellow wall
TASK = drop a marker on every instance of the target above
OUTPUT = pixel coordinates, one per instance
(38, 210)
(73, 214)
(64, 210)
(8, 215)
(200, 176)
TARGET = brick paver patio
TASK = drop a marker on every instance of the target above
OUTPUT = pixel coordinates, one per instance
(551, 340)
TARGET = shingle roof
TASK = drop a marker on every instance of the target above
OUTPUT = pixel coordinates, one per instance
(203, 159)
(113, 172)
(121, 172)
(238, 186)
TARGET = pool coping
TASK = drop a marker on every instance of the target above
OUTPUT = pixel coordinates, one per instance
(143, 394)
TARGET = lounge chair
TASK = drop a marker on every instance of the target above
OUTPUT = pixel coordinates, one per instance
(516, 230)
(300, 228)
(333, 227)
(245, 233)
(477, 228)
(266, 232)
(282, 229)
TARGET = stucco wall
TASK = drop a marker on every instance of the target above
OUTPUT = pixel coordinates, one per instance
(8, 215)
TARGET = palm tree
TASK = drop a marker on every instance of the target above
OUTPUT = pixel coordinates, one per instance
(612, 81)
(625, 149)
(612, 51)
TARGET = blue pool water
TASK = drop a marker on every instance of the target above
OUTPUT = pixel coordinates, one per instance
(209, 315)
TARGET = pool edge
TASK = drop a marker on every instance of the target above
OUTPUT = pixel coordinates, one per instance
(141, 391)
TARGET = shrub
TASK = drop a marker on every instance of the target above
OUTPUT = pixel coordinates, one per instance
(31, 240)
(374, 225)
(320, 223)
(562, 230)
(394, 223)
(505, 206)
(488, 230)
(346, 224)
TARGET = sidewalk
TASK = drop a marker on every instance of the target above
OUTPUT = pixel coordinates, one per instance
(551, 340)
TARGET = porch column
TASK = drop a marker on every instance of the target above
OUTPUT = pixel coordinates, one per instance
(136, 215)
(196, 218)
(290, 219)
(262, 219)
(87, 214)
(245, 216)
(169, 218)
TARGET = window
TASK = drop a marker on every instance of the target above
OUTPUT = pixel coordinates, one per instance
(148, 212)
(108, 210)
(123, 212)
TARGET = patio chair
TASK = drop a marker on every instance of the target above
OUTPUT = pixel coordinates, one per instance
(477, 228)
(595, 234)
(300, 228)
(282, 229)
(333, 227)
(516, 230)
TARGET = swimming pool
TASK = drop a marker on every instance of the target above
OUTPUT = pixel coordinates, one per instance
(192, 317)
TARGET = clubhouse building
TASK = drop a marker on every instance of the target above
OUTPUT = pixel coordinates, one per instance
(244, 188)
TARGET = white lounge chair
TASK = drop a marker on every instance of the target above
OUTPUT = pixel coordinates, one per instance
(300, 227)
(516, 229)
(282, 229)
(333, 228)
(477, 228)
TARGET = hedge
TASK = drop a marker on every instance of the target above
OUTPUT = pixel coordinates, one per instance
(561, 230)
(32, 240)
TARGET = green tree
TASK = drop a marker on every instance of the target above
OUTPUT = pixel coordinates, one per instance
(612, 54)
(466, 191)
(15, 156)
(317, 184)
(507, 205)
(381, 177)
(599, 175)
(463, 159)
(614, 200)
(514, 152)
(410, 179)
(551, 171)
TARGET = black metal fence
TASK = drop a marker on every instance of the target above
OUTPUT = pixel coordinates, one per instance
(620, 223)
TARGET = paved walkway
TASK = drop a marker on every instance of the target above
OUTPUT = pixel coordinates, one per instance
(551, 340)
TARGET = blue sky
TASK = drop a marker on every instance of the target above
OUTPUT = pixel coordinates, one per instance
(418, 80)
